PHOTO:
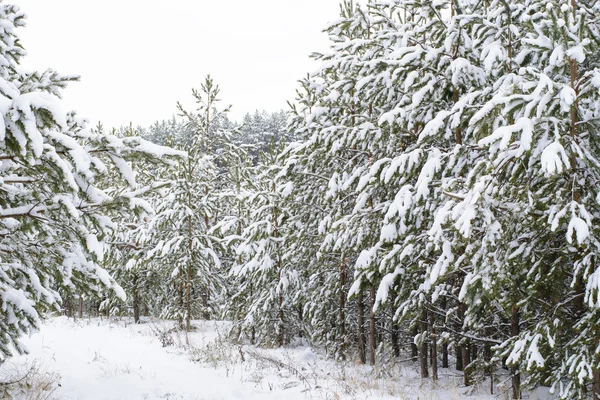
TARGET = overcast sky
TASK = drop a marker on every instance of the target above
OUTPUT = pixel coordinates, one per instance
(137, 58)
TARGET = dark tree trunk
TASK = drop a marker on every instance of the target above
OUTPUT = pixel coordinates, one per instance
(423, 347)
(136, 303)
(434, 361)
(487, 355)
(301, 321)
(516, 376)
(466, 356)
(362, 340)
(188, 302)
(445, 344)
(394, 335)
(465, 352)
(180, 298)
(596, 383)
(414, 350)
(253, 330)
(459, 358)
(68, 307)
(342, 310)
(206, 313)
(460, 365)
(372, 329)
(445, 355)
(281, 322)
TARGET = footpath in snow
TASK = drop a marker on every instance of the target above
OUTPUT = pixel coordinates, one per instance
(99, 359)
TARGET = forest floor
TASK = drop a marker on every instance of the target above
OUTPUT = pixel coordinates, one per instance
(117, 360)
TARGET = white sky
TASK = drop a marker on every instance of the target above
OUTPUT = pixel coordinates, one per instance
(137, 58)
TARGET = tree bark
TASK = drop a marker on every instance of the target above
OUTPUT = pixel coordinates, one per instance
(596, 383)
(434, 361)
(280, 333)
(188, 303)
(460, 366)
(136, 303)
(394, 334)
(362, 341)
(342, 310)
(445, 344)
(516, 376)
(423, 347)
(414, 350)
(69, 307)
(281, 323)
(188, 285)
(445, 354)
(253, 330)
(206, 313)
(466, 356)
(180, 298)
(487, 355)
(372, 328)
(465, 353)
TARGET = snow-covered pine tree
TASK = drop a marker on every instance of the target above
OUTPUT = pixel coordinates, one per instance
(182, 231)
(265, 270)
(308, 168)
(57, 208)
(127, 259)
(334, 123)
(534, 195)
(237, 185)
(262, 129)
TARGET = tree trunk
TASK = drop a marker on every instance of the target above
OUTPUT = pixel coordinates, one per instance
(280, 325)
(434, 363)
(466, 356)
(459, 358)
(596, 383)
(445, 354)
(80, 306)
(206, 313)
(423, 347)
(362, 341)
(372, 329)
(180, 298)
(394, 334)
(188, 302)
(342, 311)
(465, 353)
(301, 321)
(68, 307)
(253, 330)
(455, 94)
(414, 350)
(516, 376)
(136, 302)
(280, 334)
(487, 355)
(460, 365)
(445, 344)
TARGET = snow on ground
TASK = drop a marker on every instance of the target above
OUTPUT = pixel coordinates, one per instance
(98, 359)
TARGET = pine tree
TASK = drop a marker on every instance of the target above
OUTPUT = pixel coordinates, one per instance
(182, 231)
(264, 267)
(58, 205)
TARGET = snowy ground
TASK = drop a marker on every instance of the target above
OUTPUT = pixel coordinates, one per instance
(100, 359)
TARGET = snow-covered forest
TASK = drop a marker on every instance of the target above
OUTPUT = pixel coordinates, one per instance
(430, 200)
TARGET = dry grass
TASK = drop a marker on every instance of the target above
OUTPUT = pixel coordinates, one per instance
(28, 382)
